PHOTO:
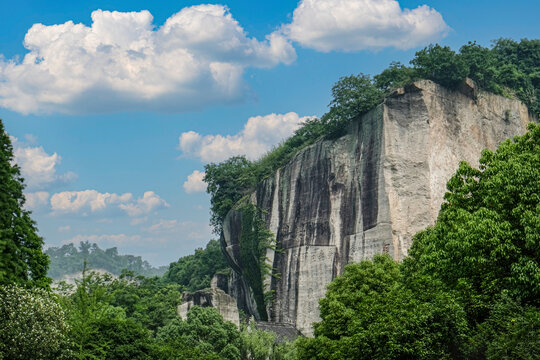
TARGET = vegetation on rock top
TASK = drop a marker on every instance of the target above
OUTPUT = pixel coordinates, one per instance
(508, 68)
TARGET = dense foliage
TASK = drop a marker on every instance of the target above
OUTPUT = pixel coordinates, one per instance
(68, 260)
(508, 68)
(21, 258)
(470, 287)
(135, 318)
(32, 325)
(194, 272)
(116, 318)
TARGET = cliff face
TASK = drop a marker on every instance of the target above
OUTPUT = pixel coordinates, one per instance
(366, 193)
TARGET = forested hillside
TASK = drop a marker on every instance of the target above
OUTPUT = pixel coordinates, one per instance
(69, 260)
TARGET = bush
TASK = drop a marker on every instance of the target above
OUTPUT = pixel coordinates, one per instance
(206, 331)
(32, 325)
(442, 65)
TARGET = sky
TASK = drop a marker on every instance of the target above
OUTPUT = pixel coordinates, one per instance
(114, 107)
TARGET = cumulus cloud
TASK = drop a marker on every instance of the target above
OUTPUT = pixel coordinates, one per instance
(258, 136)
(74, 201)
(37, 167)
(195, 182)
(351, 25)
(144, 205)
(94, 201)
(121, 61)
(36, 200)
(163, 226)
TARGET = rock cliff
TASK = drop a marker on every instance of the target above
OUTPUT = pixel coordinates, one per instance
(365, 193)
(215, 297)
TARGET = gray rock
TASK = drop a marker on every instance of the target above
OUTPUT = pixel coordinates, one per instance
(212, 297)
(368, 192)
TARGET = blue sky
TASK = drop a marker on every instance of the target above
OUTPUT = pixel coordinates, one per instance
(114, 115)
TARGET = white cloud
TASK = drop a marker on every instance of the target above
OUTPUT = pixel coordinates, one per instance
(195, 182)
(36, 200)
(138, 221)
(64, 228)
(122, 62)
(94, 201)
(37, 167)
(74, 201)
(258, 136)
(351, 25)
(148, 203)
(163, 226)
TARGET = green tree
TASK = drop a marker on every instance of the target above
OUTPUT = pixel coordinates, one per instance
(440, 64)
(395, 76)
(227, 183)
(205, 330)
(21, 258)
(32, 325)
(370, 313)
(151, 302)
(510, 332)
(100, 330)
(194, 272)
(352, 96)
(256, 344)
(487, 237)
(484, 68)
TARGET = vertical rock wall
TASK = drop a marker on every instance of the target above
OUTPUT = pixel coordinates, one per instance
(345, 200)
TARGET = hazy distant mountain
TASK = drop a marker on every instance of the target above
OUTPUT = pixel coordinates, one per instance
(69, 259)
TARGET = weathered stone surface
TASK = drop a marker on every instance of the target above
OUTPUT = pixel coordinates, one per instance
(214, 297)
(367, 192)
(284, 332)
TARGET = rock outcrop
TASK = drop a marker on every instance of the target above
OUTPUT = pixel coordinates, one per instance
(366, 193)
(216, 297)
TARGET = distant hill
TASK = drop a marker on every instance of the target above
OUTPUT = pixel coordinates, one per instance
(68, 260)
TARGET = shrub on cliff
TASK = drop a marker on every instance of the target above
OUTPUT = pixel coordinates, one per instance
(440, 64)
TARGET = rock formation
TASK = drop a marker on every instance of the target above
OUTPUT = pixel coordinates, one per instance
(216, 297)
(367, 192)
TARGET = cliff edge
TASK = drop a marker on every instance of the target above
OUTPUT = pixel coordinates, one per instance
(365, 193)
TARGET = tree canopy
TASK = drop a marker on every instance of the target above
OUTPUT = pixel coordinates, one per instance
(470, 287)
(22, 260)
(194, 272)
